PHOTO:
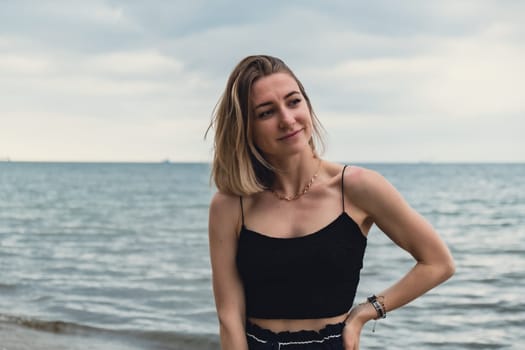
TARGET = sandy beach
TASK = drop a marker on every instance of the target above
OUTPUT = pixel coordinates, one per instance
(19, 337)
(14, 337)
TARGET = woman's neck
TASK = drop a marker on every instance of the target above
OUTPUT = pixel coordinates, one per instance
(295, 175)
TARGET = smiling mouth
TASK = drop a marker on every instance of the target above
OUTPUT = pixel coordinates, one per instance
(292, 134)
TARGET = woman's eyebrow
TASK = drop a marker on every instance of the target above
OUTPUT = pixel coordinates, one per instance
(269, 102)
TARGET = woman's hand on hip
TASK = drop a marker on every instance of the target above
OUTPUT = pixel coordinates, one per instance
(358, 316)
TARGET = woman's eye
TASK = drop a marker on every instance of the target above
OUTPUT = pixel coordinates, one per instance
(295, 101)
(266, 113)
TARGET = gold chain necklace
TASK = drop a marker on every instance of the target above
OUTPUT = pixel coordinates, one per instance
(300, 193)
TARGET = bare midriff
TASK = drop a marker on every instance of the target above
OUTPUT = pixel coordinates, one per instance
(294, 325)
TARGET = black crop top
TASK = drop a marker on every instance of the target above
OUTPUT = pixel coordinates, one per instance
(312, 276)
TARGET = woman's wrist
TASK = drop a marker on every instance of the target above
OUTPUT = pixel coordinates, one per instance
(362, 313)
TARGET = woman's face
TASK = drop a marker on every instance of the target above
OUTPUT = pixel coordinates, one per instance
(282, 123)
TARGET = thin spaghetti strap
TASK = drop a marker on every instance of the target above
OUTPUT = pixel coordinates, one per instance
(343, 187)
(242, 211)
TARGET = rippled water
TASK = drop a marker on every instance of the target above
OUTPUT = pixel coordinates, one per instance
(480, 212)
(121, 249)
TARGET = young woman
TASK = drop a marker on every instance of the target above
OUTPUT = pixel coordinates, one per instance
(287, 229)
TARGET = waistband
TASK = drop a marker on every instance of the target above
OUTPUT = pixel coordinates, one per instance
(329, 333)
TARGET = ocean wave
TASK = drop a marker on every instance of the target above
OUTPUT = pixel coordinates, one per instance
(48, 326)
(7, 286)
(158, 340)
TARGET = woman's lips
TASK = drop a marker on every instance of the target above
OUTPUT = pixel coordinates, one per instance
(292, 134)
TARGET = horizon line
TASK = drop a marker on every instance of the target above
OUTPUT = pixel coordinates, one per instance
(209, 162)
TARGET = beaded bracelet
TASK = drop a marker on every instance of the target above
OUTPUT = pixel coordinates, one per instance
(379, 306)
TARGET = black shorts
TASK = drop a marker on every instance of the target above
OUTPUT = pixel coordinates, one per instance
(328, 338)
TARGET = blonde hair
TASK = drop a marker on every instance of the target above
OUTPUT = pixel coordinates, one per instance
(238, 167)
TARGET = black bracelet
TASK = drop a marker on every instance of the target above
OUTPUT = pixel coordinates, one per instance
(380, 309)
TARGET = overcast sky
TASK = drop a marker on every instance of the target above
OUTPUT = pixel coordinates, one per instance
(137, 80)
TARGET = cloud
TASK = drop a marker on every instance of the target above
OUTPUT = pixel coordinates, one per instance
(397, 73)
(135, 139)
(134, 63)
(451, 78)
(15, 64)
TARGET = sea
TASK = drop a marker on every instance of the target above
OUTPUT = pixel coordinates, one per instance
(115, 256)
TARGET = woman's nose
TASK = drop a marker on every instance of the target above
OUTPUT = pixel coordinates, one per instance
(286, 118)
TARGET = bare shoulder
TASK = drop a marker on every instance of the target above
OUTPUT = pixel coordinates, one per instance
(221, 200)
(359, 179)
(369, 189)
(225, 212)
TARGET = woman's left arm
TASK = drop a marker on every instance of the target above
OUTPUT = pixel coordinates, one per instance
(385, 207)
(409, 230)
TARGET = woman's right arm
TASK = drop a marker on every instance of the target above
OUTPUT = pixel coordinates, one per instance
(224, 224)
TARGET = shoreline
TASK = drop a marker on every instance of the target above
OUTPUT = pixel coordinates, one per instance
(16, 337)
(19, 337)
